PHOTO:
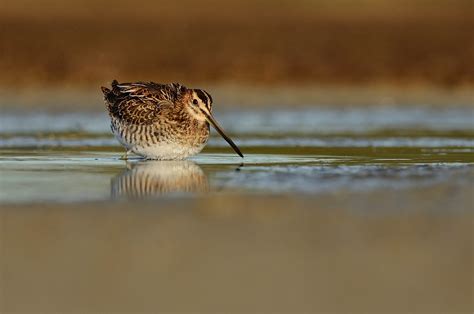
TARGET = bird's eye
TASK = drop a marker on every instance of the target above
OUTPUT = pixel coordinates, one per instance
(195, 101)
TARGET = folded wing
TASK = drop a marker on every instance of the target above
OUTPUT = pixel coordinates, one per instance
(140, 102)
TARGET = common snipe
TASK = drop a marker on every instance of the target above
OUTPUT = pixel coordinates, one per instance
(161, 121)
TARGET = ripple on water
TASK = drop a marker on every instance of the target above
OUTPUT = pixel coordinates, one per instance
(278, 120)
(336, 141)
(316, 179)
(73, 157)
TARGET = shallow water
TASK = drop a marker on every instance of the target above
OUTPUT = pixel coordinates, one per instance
(331, 210)
(73, 157)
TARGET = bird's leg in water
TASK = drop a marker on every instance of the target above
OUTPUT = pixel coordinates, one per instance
(125, 156)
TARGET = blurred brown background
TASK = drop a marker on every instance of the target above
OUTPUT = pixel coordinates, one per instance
(85, 43)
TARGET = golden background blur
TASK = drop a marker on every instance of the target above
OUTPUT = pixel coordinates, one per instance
(335, 210)
(85, 43)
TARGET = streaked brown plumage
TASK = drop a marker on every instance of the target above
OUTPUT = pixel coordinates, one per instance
(161, 121)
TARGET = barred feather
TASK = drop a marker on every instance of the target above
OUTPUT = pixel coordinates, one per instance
(153, 120)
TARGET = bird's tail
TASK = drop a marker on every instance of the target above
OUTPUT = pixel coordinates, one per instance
(109, 95)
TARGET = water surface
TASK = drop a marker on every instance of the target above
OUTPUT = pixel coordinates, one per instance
(331, 210)
(73, 157)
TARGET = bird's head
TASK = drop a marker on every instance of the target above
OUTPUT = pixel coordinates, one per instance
(199, 104)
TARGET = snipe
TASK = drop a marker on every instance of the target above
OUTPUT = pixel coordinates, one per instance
(161, 121)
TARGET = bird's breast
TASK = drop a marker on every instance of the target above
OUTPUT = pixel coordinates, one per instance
(188, 133)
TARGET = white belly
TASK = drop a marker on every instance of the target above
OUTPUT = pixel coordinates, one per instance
(159, 150)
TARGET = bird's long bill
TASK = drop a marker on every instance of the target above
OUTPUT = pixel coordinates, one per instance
(216, 125)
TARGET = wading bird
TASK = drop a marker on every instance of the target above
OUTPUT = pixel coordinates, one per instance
(161, 121)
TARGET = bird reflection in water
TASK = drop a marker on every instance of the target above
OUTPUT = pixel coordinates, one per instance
(146, 179)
